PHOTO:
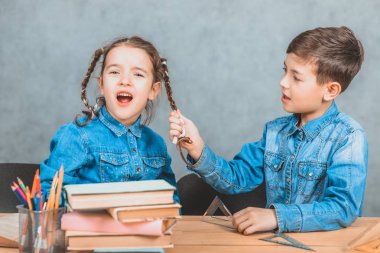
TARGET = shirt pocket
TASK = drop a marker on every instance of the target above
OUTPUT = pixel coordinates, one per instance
(311, 178)
(273, 165)
(114, 167)
(153, 166)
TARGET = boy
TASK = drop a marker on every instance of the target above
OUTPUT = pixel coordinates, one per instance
(314, 161)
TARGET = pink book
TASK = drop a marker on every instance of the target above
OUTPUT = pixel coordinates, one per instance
(103, 223)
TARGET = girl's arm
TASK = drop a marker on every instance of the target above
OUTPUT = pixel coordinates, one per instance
(68, 149)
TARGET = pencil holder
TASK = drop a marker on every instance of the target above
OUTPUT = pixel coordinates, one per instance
(40, 231)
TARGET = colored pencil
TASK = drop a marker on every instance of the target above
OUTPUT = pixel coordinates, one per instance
(59, 187)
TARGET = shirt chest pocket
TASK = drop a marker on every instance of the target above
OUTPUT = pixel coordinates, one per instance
(273, 165)
(153, 166)
(114, 167)
(311, 178)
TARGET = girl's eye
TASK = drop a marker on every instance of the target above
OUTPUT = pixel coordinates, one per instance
(139, 75)
(284, 69)
(113, 72)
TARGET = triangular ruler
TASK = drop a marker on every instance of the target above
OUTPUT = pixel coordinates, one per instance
(209, 215)
(286, 240)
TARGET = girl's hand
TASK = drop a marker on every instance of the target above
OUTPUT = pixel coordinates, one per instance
(253, 219)
(177, 122)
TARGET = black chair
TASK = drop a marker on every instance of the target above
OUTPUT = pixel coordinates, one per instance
(196, 195)
(8, 173)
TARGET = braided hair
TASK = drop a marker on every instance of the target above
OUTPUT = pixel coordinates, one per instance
(160, 73)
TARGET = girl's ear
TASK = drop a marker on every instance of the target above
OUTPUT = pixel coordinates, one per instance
(333, 89)
(156, 87)
(100, 85)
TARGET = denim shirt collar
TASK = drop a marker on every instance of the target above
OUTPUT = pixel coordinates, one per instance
(116, 127)
(312, 128)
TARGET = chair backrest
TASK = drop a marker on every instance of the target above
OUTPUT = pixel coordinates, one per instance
(196, 195)
(8, 173)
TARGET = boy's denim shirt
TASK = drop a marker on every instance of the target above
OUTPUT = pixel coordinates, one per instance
(315, 175)
(107, 151)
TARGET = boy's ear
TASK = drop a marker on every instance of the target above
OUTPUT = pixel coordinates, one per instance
(156, 87)
(100, 85)
(333, 89)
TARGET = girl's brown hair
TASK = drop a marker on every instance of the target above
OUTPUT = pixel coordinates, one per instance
(160, 74)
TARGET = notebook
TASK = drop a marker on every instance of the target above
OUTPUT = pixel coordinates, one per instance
(102, 222)
(131, 193)
(94, 241)
(144, 213)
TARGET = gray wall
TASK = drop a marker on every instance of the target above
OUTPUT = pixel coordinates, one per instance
(225, 59)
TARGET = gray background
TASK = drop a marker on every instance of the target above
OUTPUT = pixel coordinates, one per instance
(225, 59)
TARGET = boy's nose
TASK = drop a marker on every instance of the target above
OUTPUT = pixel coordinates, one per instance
(283, 82)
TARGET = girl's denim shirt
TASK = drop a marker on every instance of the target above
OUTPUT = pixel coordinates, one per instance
(315, 175)
(107, 151)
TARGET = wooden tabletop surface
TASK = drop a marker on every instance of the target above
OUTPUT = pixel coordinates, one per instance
(191, 234)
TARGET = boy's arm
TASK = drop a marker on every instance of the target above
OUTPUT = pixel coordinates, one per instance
(244, 173)
(343, 197)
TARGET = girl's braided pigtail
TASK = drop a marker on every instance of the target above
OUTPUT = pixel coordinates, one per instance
(91, 110)
(168, 88)
(169, 93)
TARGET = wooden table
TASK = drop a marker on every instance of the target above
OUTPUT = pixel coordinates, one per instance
(193, 235)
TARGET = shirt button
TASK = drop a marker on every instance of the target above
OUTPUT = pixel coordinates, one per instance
(287, 202)
(138, 169)
(310, 174)
(134, 150)
(288, 180)
(275, 166)
(292, 157)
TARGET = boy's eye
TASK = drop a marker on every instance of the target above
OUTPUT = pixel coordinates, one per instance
(296, 79)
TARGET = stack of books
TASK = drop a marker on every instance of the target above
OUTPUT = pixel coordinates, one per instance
(121, 215)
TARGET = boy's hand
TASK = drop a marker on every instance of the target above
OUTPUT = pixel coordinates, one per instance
(253, 219)
(177, 121)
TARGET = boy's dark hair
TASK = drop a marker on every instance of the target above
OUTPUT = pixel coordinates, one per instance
(160, 74)
(335, 51)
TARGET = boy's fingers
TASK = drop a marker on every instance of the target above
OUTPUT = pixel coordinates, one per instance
(174, 114)
(241, 227)
(181, 116)
(240, 213)
(250, 230)
(236, 221)
(174, 126)
(175, 120)
(173, 133)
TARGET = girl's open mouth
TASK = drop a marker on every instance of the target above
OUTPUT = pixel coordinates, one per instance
(124, 97)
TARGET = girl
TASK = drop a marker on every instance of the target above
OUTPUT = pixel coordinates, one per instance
(111, 142)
